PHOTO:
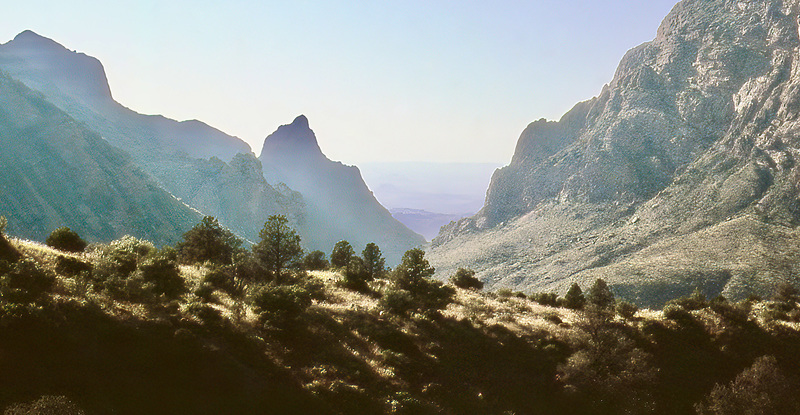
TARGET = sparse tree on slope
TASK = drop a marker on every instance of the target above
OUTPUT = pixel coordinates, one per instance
(574, 298)
(342, 254)
(279, 247)
(209, 241)
(373, 261)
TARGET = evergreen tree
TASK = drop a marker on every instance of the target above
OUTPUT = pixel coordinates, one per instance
(208, 241)
(600, 295)
(279, 247)
(342, 254)
(374, 263)
(574, 298)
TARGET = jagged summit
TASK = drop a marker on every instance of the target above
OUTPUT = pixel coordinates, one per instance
(295, 140)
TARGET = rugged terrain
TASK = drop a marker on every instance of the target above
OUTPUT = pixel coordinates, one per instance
(693, 140)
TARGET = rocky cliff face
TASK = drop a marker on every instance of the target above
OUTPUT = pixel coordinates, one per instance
(56, 173)
(697, 128)
(340, 206)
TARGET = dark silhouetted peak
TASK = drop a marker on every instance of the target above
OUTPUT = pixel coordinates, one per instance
(291, 141)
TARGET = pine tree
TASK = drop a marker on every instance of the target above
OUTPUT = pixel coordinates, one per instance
(342, 254)
(373, 261)
(574, 298)
(279, 247)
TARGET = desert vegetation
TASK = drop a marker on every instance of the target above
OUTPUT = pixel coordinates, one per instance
(210, 326)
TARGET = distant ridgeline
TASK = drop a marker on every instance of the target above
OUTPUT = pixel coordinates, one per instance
(681, 173)
(160, 175)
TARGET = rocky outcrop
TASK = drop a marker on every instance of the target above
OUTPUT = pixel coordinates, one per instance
(57, 173)
(697, 127)
(339, 203)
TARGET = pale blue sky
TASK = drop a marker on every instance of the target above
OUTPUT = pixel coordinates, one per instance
(379, 81)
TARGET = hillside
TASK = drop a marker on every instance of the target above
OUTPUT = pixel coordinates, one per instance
(55, 172)
(693, 138)
(339, 203)
(86, 333)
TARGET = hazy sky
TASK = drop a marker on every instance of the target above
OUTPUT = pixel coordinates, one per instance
(429, 80)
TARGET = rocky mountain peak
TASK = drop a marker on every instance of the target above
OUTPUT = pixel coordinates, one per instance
(292, 141)
(31, 57)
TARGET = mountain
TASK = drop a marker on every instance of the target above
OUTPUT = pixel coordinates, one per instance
(55, 172)
(207, 169)
(693, 141)
(339, 203)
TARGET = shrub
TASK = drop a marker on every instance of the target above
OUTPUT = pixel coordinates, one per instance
(548, 299)
(208, 241)
(205, 313)
(695, 301)
(677, 313)
(65, 239)
(413, 275)
(221, 279)
(626, 310)
(161, 270)
(23, 281)
(355, 276)
(205, 292)
(505, 293)
(281, 305)
(315, 261)
(121, 257)
(72, 267)
(399, 302)
(465, 278)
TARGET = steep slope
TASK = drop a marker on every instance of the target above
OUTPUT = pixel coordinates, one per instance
(204, 167)
(340, 206)
(698, 126)
(55, 172)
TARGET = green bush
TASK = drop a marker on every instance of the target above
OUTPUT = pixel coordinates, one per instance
(205, 313)
(413, 276)
(161, 270)
(7, 251)
(600, 295)
(626, 310)
(281, 305)
(547, 299)
(355, 276)
(374, 261)
(696, 301)
(465, 278)
(677, 313)
(72, 267)
(24, 281)
(221, 278)
(315, 261)
(65, 239)
(399, 302)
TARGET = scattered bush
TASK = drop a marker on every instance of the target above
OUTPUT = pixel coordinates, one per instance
(72, 267)
(221, 278)
(315, 261)
(355, 276)
(65, 239)
(677, 313)
(413, 276)
(399, 302)
(505, 293)
(547, 299)
(281, 305)
(205, 313)
(23, 281)
(626, 310)
(161, 270)
(465, 278)
(696, 301)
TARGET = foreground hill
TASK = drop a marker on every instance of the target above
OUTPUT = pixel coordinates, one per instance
(100, 332)
(55, 172)
(339, 203)
(694, 139)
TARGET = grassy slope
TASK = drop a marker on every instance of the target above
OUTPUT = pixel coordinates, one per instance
(483, 354)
